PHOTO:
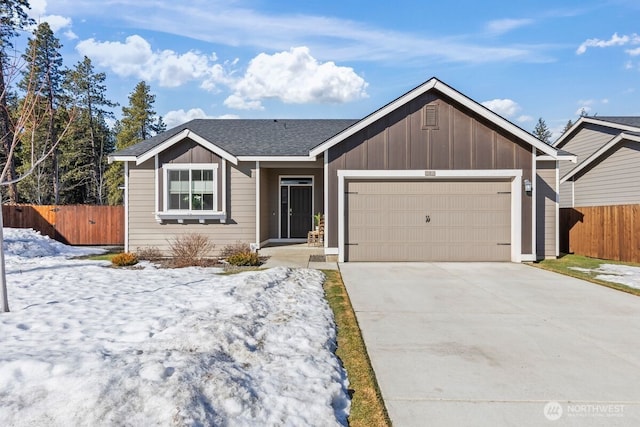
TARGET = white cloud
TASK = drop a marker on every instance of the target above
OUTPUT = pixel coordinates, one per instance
(38, 8)
(524, 119)
(501, 26)
(633, 52)
(295, 77)
(38, 12)
(177, 117)
(503, 107)
(586, 102)
(70, 35)
(604, 100)
(135, 57)
(615, 40)
(585, 109)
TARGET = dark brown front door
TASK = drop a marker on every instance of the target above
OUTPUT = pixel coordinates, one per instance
(296, 215)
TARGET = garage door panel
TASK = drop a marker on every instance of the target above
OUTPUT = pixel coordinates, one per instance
(428, 221)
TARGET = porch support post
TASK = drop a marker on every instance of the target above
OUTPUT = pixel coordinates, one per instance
(257, 205)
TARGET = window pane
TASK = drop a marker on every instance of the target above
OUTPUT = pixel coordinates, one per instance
(191, 189)
(207, 202)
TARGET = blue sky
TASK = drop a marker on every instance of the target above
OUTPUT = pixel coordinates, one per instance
(345, 59)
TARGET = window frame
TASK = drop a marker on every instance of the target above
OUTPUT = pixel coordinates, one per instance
(182, 214)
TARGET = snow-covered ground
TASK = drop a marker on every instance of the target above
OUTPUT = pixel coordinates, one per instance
(90, 345)
(616, 273)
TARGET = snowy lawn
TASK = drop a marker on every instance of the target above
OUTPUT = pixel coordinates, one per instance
(86, 344)
(617, 273)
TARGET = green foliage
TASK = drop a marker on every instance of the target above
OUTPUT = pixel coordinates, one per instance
(190, 249)
(124, 259)
(244, 259)
(138, 123)
(542, 132)
(567, 126)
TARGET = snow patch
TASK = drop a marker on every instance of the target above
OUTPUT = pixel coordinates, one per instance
(89, 345)
(616, 273)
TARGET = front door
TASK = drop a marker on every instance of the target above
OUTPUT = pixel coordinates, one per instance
(296, 207)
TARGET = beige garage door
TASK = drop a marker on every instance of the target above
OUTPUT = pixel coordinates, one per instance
(428, 221)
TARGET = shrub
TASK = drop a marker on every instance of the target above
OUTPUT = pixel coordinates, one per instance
(244, 259)
(124, 259)
(149, 254)
(190, 249)
(235, 248)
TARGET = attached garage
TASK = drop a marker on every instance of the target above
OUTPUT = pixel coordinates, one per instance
(433, 220)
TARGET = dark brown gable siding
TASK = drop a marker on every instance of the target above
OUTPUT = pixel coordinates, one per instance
(188, 151)
(460, 140)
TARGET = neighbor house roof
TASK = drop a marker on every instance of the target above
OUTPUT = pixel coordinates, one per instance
(622, 123)
(246, 137)
(600, 153)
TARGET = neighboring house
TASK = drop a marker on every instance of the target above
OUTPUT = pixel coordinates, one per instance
(607, 171)
(431, 176)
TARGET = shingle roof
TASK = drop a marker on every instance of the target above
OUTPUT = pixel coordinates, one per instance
(621, 120)
(248, 137)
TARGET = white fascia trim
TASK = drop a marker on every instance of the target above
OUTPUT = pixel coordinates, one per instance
(534, 202)
(594, 121)
(516, 195)
(181, 136)
(112, 159)
(451, 93)
(557, 210)
(595, 156)
(277, 158)
(565, 157)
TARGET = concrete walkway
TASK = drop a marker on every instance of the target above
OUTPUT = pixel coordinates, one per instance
(497, 344)
(298, 255)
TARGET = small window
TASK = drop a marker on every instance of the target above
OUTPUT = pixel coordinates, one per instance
(191, 189)
(430, 117)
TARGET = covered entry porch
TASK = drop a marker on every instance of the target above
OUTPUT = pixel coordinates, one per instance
(289, 194)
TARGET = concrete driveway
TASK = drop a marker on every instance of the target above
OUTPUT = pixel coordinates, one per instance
(493, 344)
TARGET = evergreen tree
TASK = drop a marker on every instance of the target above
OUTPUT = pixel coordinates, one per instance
(13, 17)
(567, 126)
(42, 78)
(91, 140)
(139, 122)
(542, 132)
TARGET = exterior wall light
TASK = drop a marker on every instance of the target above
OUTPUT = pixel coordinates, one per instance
(528, 187)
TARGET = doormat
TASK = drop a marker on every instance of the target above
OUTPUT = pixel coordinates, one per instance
(317, 258)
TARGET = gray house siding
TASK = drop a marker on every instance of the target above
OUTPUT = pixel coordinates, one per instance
(402, 140)
(612, 181)
(546, 206)
(585, 142)
(566, 194)
(145, 231)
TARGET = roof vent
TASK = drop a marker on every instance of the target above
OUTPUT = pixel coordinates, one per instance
(430, 117)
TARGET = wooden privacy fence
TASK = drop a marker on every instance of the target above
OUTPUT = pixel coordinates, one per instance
(608, 232)
(70, 224)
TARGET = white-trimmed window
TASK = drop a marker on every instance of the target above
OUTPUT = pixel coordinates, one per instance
(191, 188)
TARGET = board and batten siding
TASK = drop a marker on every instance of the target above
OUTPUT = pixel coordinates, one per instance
(401, 141)
(587, 140)
(613, 181)
(546, 206)
(145, 231)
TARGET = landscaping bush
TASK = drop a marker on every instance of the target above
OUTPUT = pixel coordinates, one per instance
(190, 250)
(124, 259)
(235, 248)
(149, 254)
(243, 259)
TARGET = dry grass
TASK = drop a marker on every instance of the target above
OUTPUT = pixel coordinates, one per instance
(564, 266)
(367, 407)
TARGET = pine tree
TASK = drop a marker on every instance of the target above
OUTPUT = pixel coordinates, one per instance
(139, 122)
(91, 140)
(13, 18)
(542, 132)
(567, 126)
(43, 77)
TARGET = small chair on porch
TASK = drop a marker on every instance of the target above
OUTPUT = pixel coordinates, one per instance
(316, 237)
